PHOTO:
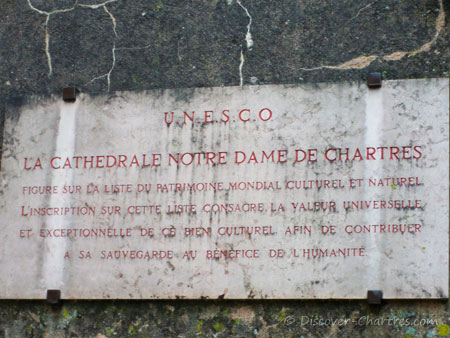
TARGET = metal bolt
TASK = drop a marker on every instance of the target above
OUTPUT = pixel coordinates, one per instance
(69, 94)
(374, 297)
(53, 297)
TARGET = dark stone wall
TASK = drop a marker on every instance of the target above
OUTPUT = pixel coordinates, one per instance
(105, 46)
(133, 45)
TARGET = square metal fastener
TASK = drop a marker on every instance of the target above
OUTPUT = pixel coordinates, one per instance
(53, 297)
(374, 297)
(69, 94)
(374, 80)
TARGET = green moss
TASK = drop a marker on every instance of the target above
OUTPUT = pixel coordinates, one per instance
(282, 316)
(199, 326)
(443, 330)
(131, 330)
(66, 314)
(218, 327)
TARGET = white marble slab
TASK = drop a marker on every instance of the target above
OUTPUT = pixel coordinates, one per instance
(93, 202)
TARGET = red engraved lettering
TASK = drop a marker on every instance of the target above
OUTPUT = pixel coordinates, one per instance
(208, 116)
(191, 118)
(52, 163)
(267, 112)
(225, 116)
(240, 115)
(167, 120)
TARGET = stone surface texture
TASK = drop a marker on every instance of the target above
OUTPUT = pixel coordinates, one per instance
(106, 46)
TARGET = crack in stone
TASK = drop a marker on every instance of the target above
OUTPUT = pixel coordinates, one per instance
(248, 36)
(241, 66)
(65, 10)
(114, 26)
(113, 19)
(362, 62)
(97, 5)
(47, 35)
(113, 51)
(356, 63)
(360, 10)
(440, 24)
(248, 40)
(52, 12)
(47, 50)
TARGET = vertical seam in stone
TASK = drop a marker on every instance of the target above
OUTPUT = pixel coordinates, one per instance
(241, 66)
(47, 48)
(248, 36)
(249, 42)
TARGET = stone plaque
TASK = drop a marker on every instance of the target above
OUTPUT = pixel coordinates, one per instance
(312, 191)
